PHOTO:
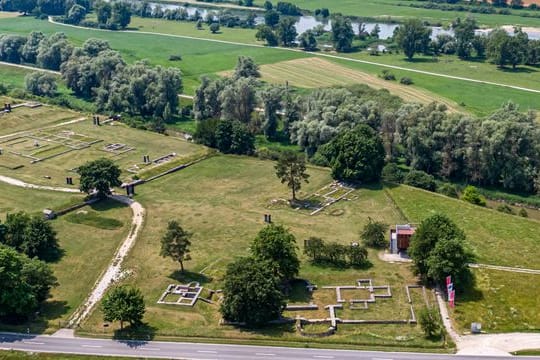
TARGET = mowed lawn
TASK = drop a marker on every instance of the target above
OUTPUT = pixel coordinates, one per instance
(222, 200)
(496, 238)
(88, 238)
(198, 57)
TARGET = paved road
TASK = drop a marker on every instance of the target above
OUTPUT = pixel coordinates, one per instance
(171, 350)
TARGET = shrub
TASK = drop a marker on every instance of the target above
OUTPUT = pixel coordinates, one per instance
(175, 57)
(523, 213)
(374, 233)
(387, 75)
(406, 81)
(392, 173)
(505, 209)
(430, 323)
(3, 89)
(447, 189)
(471, 195)
(420, 180)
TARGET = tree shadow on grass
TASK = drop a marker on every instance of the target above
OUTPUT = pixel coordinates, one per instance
(270, 330)
(38, 322)
(518, 70)
(135, 336)
(106, 204)
(422, 60)
(189, 276)
(298, 293)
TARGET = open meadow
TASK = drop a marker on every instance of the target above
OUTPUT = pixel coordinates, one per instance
(47, 155)
(88, 238)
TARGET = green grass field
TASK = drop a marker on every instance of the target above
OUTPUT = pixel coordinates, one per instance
(20, 355)
(130, 157)
(392, 9)
(80, 240)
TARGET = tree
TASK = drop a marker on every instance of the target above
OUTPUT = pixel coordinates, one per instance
(449, 257)
(271, 18)
(471, 195)
(251, 293)
(23, 6)
(277, 245)
(420, 179)
(464, 36)
(93, 47)
(238, 100)
(356, 155)
(103, 11)
(30, 49)
(392, 173)
(76, 14)
(175, 243)
(40, 240)
(265, 33)
(315, 249)
(40, 84)
(412, 37)
(11, 48)
(430, 322)
(214, 28)
(54, 51)
(286, 31)
(431, 230)
(246, 67)
(308, 42)
(99, 175)
(342, 34)
(498, 47)
(121, 14)
(123, 303)
(374, 234)
(24, 283)
(271, 98)
(268, 5)
(291, 170)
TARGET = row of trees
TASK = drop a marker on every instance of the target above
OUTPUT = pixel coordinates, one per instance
(335, 254)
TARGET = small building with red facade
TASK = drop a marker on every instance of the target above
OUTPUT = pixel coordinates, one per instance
(400, 238)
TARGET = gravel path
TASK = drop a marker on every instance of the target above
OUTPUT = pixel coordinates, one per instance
(16, 182)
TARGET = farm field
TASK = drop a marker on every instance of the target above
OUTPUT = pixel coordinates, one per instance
(49, 156)
(224, 211)
(199, 57)
(399, 9)
(317, 72)
(87, 233)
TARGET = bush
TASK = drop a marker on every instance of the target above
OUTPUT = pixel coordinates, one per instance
(523, 213)
(264, 153)
(449, 190)
(175, 57)
(40, 84)
(387, 75)
(3, 89)
(430, 323)
(471, 195)
(339, 255)
(406, 81)
(392, 173)
(505, 209)
(420, 180)
(374, 234)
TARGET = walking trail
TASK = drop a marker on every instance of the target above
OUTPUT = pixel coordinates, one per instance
(51, 20)
(114, 270)
(44, 128)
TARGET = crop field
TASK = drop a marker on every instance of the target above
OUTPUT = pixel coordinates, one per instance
(49, 156)
(224, 211)
(81, 236)
(316, 73)
(399, 9)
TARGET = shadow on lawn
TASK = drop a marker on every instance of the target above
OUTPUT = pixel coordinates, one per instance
(135, 336)
(189, 276)
(51, 311)
(107, 204)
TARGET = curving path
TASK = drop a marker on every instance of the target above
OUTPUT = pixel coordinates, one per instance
(395, 67)
(114, 270)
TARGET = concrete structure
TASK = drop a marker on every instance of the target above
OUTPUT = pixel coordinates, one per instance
(400, 238)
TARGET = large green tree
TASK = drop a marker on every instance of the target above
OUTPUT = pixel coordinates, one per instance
(342, 34)
(412, 37)
(245, 68)
(374, 234)
(99, 175)
(286, 31)
(123, 303)
(251, 293)
(277, 245)
(291, 170)
(175, 243)
(356, 155)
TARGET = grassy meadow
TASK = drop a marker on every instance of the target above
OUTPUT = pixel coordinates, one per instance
(92, 232)
(222, 201)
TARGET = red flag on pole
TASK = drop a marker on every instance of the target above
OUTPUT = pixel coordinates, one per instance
(448, 280)
(451, 298)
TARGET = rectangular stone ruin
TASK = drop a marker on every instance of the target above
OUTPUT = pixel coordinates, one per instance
(186, 295)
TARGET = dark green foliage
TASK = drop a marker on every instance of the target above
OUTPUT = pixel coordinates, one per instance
(291, 170)
(448, 190)
(277, 245)
(271, 18)
(246, 68)
(265, 33)
(308, 42)
(121, 14)
(374, 234)
(430, 322)
(251, 293)
(214, 28)
(523, 213)
(53, 51)
(356, 155)
(205, 132)
(233, 137)
(421, 180)
(271, 97)
(24, 283)
(11, 47)
(503, 49)
(335, 254)
(412, 37)
(387, 75)
(238, 100)
(504, 208)
(76, 14)
(175, 243)
(286, 31)
(471, 195)
(437, 250)
(99, 175)
(342, 34)
(123, 303)
(40, 84)
(406, 81)
(33, 236)
(392, 173)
